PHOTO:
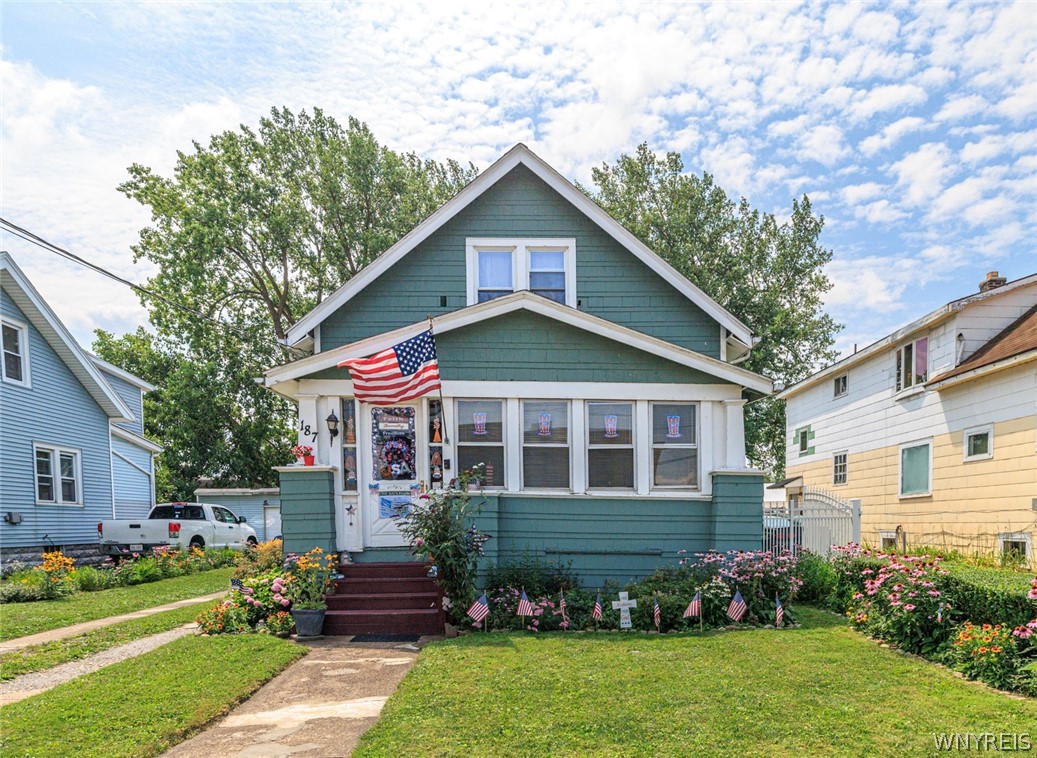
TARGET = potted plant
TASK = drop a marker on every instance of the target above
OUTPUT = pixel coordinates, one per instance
(305, 453)
(306, 581)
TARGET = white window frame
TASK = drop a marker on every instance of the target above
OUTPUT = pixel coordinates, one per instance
(1023, 537)
(520, 250)
(900, 385)
(652, 445)
(975, 431)
(55, 463)
(632, 447)
(900, 469)
(845, 386)
(888, 534)
(522, 444)
(835, 468)
(23, 345)
(503, 444)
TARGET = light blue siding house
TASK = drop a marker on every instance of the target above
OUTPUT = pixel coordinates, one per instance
(600, 388)
(72, 445)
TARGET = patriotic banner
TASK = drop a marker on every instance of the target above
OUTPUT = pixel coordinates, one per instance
(480, 609)
(694, 607)
(737, 608)
(779, 612)
(657, 613)
(403, 372)
(525, 608)
(596, 615)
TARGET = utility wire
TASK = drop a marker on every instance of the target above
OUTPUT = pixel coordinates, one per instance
(28, 236)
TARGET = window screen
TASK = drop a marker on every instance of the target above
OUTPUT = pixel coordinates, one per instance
(545, 445)
(610, 445)
(674, 445)
(480, 438)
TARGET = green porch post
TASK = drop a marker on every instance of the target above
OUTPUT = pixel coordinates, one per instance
(307, 508)
(737, 510)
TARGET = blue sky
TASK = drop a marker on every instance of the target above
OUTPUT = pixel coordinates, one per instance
(912, 127)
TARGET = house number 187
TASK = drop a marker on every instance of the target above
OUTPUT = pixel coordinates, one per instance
(307, 430)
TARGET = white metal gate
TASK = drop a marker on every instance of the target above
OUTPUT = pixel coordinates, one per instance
(815, 521)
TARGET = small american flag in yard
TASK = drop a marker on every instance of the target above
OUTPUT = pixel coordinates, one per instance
(596, 615)
(525, 608)
(403, 372)
(694, 607)
(657, 613)
(235, 584)
(480, 609)
(779, 612)
(737, 608)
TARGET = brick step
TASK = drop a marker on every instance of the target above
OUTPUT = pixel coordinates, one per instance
(384, 569)
(412, 621)
(384, 585)
(383, 602)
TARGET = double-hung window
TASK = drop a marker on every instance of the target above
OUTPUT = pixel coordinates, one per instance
(498, 267)
(912, 364)
(841, 386)
(58, 475)
(675, 455)
(610, 445)
(545, 444)
(15, 365)
(916, 464)
(480, 438)
(839, 467)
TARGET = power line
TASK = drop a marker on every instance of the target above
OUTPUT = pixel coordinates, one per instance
(35, 239)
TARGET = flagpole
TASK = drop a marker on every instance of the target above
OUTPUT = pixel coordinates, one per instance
(442, 402)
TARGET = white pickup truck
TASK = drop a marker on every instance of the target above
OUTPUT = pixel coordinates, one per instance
(182, 525)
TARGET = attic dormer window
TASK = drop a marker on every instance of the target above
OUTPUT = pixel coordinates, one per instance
(498, 267)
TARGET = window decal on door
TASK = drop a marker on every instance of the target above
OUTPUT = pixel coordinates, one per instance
(393, 505)
(393, 444)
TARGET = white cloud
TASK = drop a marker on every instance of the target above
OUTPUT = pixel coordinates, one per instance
(922, 173)
(891, 134)
(886, 98)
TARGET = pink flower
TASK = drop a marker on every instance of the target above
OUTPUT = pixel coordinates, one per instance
(909, 607)
(285, 602)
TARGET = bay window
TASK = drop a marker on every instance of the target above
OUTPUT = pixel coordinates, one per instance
(545, 444)
(674, 445)
(610, 445)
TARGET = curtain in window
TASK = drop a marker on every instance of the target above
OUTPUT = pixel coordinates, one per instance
(495, 274)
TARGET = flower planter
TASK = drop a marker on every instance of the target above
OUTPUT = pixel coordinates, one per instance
(309, 623)
(307, 460)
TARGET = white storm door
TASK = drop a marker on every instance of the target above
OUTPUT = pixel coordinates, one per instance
(394, 443)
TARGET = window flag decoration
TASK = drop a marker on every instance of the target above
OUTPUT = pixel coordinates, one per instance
(611, 426)
(544, 424)
(479, 421)
(403, 372)
(673, 427)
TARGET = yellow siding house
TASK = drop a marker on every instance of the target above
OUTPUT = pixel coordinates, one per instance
(933, 428)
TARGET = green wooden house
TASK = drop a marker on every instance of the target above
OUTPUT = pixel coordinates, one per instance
(599, 387)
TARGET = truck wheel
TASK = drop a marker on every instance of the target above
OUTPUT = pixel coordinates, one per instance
(197, 542)
(250, 543)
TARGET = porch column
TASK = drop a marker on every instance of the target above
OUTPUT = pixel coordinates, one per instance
(734, 414)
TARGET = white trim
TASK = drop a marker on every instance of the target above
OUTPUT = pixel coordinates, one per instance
(535, 304)
(845, 376)
(126, 376)
(56, 452)
(568, 446)
(136, 439)
(139, 468)
(900, 469)
(520, 248)
(23, 345)
(1024, 537)
(975, 431)
(887, 534)
(520, 154)
(111, 470)
(846, 466)
(632, 447)
(58, 337)
(458, 443)
(696, 446)
(900, 367)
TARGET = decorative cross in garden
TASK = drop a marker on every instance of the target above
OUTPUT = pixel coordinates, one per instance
(623, 605)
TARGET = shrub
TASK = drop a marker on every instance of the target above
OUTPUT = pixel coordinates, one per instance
(266, 556)
(90, 579)
(989, 653)
(226, 617)
(818, 577)
(990, 596)
(258, 597)
(58, 575)
(279, 624)
(24, 586)
(536, 577)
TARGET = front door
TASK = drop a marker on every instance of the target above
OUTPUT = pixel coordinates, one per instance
(394, 462)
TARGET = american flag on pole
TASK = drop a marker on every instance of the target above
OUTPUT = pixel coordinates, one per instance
(596, 615)
(779, 612)
(403, 372)
(235, 584)
(480, 609)
(657, 614)
(525, 608)
(737, 608)
(694, 607)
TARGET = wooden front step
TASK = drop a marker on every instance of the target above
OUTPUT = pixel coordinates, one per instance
(385, 598)
(384, 585)
(384, 569)
(382, 602)
(412, 621)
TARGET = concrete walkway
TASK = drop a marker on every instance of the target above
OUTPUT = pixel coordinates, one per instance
(88, 626)
(319, 706)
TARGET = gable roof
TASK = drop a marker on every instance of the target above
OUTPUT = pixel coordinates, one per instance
(126, 376)
(1017, 341)
(57, 336)
(520, 154)
(523, 300)
(942, 313)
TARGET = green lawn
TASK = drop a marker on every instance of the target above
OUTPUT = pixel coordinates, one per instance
(142, 706)
(819, 690)
(20, 619)
(50, 654)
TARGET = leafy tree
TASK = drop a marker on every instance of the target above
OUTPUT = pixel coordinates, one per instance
(249, 233)
(769, 274)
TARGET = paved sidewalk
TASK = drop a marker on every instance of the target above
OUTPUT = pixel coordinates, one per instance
(89, 626)
(319, 706)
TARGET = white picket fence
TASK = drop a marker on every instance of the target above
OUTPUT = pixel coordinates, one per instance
(814, 521)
